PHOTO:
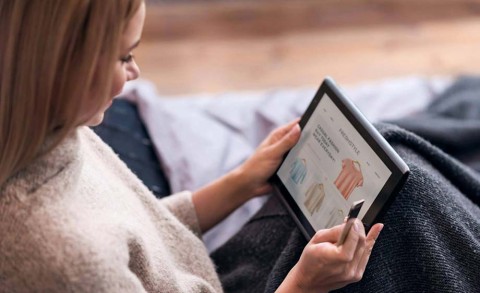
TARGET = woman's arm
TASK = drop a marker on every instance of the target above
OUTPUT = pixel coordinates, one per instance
(218, 199)
(324, 265)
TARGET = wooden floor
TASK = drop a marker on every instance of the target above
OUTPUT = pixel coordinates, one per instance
(217, 46)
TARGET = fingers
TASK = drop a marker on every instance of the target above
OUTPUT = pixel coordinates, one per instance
(353, 251)
(282, 139)
(287, 141)
(355, 237)
(331, 266)
(355, 267)
(289, 125)
(281, 131)
(369, 243)
(327, 235)
(344, 253)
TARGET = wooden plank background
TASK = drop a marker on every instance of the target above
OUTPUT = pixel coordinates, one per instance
(218, 46)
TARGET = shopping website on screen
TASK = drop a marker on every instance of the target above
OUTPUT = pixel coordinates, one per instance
(331, 167)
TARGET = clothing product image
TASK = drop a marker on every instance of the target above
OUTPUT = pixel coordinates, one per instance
(349, 178)
(314, 197)
(336, 217)
(298, 171)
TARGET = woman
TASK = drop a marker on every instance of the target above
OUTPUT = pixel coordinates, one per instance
(73, 217)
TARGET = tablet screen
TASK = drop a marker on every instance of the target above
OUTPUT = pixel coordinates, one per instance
(331, 167)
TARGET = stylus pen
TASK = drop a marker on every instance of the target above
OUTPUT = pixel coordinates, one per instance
(352, 215)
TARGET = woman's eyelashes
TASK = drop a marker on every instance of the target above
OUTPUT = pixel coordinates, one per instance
(127, 59)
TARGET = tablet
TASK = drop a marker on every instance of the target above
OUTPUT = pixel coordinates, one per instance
(340, 159)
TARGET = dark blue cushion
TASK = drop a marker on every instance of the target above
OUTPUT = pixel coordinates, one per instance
(126, 134)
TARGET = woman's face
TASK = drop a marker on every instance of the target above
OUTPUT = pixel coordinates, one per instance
(125, 68)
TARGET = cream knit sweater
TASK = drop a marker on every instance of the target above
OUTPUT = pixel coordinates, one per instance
(77, 220)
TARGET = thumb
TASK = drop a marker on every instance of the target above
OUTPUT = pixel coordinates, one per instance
(289, 140)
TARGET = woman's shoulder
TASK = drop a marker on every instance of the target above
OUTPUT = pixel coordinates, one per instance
(96, 151)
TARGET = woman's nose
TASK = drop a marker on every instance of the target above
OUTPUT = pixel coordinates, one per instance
(133, 71)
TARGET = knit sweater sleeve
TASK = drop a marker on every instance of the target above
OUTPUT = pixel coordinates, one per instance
(67, 262)
(105, 276)
(181, 205)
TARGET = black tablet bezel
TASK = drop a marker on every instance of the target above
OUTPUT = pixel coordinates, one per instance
(374, 139)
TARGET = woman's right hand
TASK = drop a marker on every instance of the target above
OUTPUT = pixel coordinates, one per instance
(324, 266)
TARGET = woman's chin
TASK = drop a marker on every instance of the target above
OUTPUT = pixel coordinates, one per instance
(95, 120)
(98, 118)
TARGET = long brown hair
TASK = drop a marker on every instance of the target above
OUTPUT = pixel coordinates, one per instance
(52, 54)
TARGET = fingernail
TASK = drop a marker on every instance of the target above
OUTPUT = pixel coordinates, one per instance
(379, 230)
(295, 129)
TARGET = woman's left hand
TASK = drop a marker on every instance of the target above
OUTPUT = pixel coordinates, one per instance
(267, 157)
(217, 200)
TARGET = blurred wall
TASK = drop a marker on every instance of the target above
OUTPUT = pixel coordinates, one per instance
(215, 46)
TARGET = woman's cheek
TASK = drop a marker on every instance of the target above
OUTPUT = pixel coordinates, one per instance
(118, 83)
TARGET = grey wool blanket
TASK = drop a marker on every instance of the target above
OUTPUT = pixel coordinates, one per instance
(431, 239)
